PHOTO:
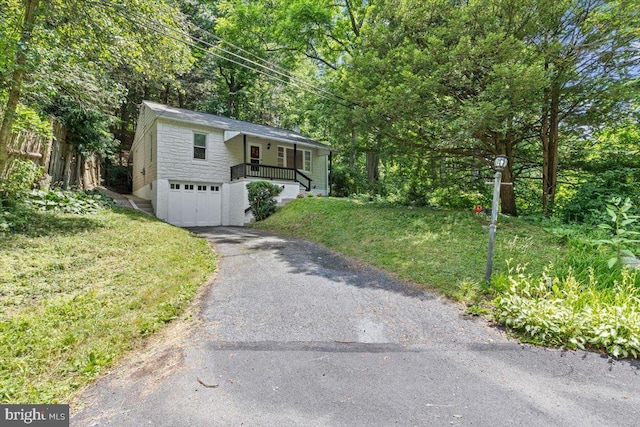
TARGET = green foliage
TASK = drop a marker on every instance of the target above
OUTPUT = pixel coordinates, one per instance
(19, 204)
(22, 218)
(589, 202)
(569, 313)
(455, 197)
(71, 202)
(27, 119)
(622, 238)
(22, 177)
(347, 181)
(87, 129)
(117, 177)
(262, 200)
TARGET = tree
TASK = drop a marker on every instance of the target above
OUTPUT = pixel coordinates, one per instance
(70, 49)
(590, 49)
(439, 79)
(17, 71)
(480, 78)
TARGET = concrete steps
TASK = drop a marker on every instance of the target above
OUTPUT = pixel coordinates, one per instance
(142, 205)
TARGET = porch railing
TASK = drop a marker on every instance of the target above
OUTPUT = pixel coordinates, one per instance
(251, 170)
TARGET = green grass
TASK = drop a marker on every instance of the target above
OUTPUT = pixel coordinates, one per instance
(78, 291)
(550, 287)
(442, 250)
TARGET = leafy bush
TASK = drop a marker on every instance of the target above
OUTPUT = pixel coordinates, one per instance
(589, 201)
(22, 177)
(117, 177)
(455, 197)
(346, 181)
(19, 216)
(262, 200)
(27, 119)
(566, 312)
(73, 202)
(619, 227)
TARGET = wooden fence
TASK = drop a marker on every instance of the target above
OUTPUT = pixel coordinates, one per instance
(64, 166)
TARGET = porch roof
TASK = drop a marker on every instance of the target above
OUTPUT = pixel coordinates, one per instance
(232, 127)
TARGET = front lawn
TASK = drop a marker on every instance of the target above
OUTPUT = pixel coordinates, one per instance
(79, 291)
(442, 250)
(551, 286)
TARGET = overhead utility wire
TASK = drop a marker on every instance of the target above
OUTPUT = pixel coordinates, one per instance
(154, 27)
(271, 65)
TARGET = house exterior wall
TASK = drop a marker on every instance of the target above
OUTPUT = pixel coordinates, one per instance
(320, 173)
(163, 153)
(175, 154)
(176, 162)
(238, 201)
(144, 149)
(319, 164)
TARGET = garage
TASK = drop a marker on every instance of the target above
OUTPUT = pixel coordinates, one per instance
(194, 204)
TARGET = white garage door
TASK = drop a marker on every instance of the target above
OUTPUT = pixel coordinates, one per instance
(194, 204)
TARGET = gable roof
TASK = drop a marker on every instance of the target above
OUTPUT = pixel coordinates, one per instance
(231, 126)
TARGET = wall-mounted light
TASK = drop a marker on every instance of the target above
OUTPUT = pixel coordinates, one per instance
(268, 146)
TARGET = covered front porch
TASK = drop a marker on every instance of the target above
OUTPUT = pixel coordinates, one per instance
(253, 170)
(283, 159)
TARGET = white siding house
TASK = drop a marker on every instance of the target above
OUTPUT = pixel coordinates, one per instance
(194, 166)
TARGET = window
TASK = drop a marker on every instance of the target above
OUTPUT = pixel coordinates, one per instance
(307, 161)
(303, 159)
(175, 186)
(215, 188)
(199, 146)
(281, 157)
(202, 188)
(188, 186)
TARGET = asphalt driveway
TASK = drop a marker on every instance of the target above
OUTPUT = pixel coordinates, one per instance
(289, 334)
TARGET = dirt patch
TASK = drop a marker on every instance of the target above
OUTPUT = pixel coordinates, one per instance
(158, 357)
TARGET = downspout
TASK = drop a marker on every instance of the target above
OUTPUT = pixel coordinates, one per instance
(330, 171)
(244, 147)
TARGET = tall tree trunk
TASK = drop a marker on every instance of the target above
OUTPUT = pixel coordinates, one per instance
(66, 172)
(165, 94)
(180, 99)
(550, 136)
(80, 172)
(15, 83)
(352, 149)
(507, 192)
(373, 173)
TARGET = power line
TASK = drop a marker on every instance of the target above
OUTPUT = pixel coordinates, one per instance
(155, 26)
(272, 66)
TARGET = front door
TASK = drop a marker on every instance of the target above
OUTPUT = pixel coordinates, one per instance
(255, 158)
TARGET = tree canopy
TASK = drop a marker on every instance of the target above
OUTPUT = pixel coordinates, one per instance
(418, 95)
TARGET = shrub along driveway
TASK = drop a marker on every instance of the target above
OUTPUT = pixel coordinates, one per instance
(291, 334)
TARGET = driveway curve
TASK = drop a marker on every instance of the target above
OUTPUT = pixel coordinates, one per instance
(290, 334)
